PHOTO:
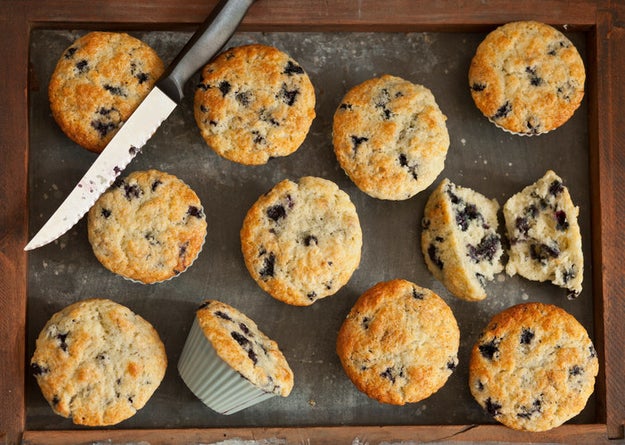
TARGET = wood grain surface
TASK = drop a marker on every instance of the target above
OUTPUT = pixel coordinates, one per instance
(604, 21)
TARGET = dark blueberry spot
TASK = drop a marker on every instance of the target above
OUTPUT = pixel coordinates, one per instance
(562, 223)
(244, 98)
(115, 91)
(388, 374)
(356, 141)
(132, 191)
(142, 77)
(486, 249)
(329, 284)
(82, 66)
(55, 400)
(223, 315)
(568, 274)
(522, 224)
(552, 52)
(118, 381)
(488, 350)
(527, 336)
(532, 211)
(526, 412)
(195, 211)
(276, 212)
(203, 86)
(119, 183)
(117, 170)
(480, 386)
(155, 184)
(203, 305)
(425, 223)
(258, 138)
(439, 239)
(365, 322)
(213, 123)
(575, 370)
(543, 252)
(105, 213)
(310, 239)
(101, 356)
(288, 96)
(62, 344)
(455, 199)
(239, 338)
(412, 169)
(70, 52)
(493, 407)
(466, 215)
(245, 329)
(593, 351)
(268, 266)
(535, 80)
(105, 111)
(38, 369)
(556, 187)
(203, 109)
(481, 278)
(451, 364)
(151, 239)
(345, 106)
(312, 295)
(417, 295)
(130, 400)
(433, 254)
(224, 87)
(478, 86)
(182, 249)
(503, 111)
(103, 128)
(386, 113)
(292, 68)
(252, 356)
(134, 150)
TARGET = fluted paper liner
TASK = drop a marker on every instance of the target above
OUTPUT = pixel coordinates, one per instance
(212, 380)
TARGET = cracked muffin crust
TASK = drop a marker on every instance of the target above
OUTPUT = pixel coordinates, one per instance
(527, 78)
(390, 137)
(545, 239)
(533, 367)
(98, 82)
(399, 343)
(301, 241)
(148, 227)
(459, 240)
(254, 103)
(98, 362)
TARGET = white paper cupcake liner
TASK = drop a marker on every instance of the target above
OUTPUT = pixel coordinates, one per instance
(212, 380)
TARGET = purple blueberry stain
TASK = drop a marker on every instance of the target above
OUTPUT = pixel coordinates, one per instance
(267, 270)
(493, 408)
(292, 68)
(276, 212)
(287, 96)
(225, 87)
(527, 335)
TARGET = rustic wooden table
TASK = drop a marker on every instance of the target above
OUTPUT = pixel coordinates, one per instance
(603, 24)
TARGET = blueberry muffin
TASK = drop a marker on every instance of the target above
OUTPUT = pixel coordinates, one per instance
(390, 137)
(98, 362)
(533, 367)
(254, 103)
(229, 363)
(527, 78)
(147, 227)
(459, 240)
(399, 343)
(545, 240)
(98, 82)
(302, 240)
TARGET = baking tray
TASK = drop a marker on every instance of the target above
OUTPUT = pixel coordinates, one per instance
(324, 404)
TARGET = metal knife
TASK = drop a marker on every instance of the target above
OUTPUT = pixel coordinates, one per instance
(144, 121)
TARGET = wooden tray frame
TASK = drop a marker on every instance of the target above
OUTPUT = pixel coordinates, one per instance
(604, 23)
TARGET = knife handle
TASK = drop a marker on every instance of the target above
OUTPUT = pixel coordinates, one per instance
(203, 45)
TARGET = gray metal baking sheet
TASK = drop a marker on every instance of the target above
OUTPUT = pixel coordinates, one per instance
(481, 156)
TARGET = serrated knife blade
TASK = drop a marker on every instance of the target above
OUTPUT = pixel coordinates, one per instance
(145, 120)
